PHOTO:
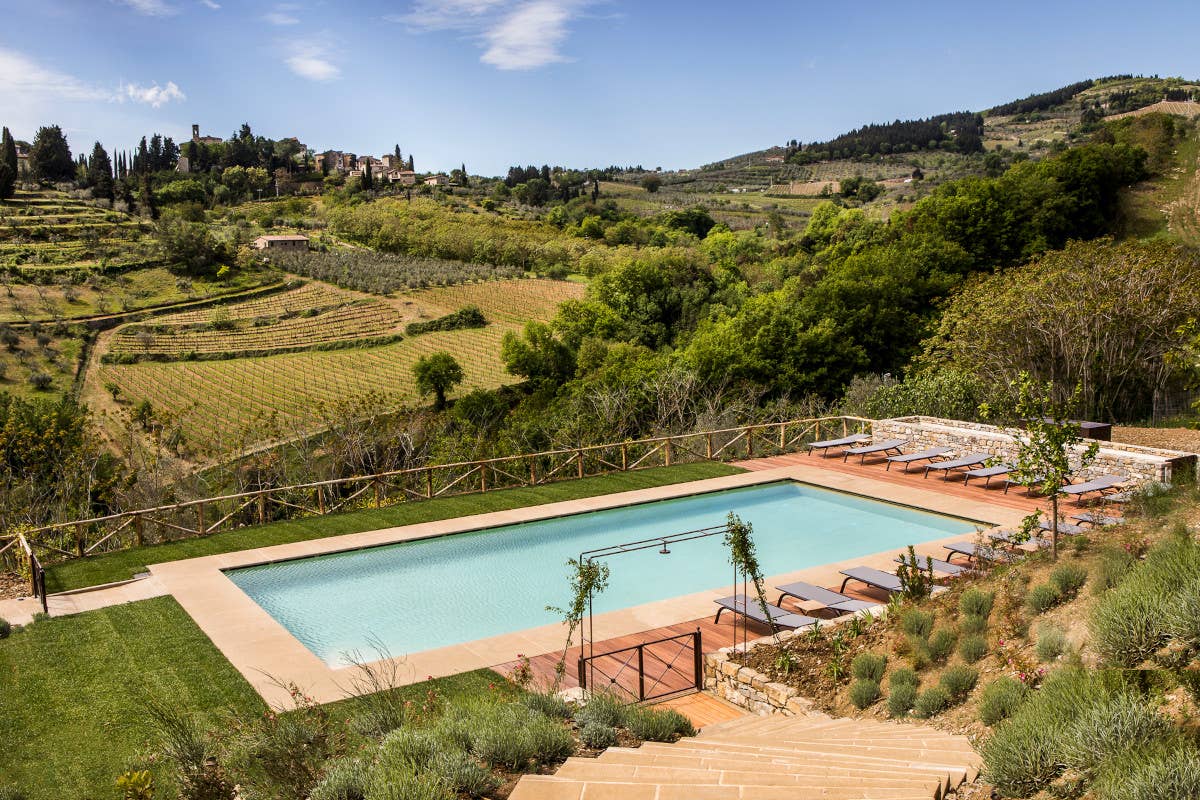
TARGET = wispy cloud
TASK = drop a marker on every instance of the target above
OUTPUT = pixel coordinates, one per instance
(154, 96)
(514, 35)
(23, 80)
(282, 14)
(215, 6)
(151, 8)
(529, 37)
(312, 60)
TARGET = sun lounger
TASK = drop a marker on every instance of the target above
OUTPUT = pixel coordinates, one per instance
(1096, 519)
(1063, 527)
(1099, 485)
(834, 601)
(1010, 539)
(875, 578)
(924, 455)
(944, 567)
(876, 447)
(1011, 482)
(979, 552)
(987, 473)
(845, 441)
(750, 607)
(973, 460)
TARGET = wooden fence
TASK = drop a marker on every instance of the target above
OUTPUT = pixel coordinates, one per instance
(85, 537)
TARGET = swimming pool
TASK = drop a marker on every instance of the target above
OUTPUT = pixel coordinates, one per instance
(429, 593)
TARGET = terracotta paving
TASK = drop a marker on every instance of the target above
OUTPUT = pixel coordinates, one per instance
(703, 709)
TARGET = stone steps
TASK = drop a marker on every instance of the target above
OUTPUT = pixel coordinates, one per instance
(805, 757)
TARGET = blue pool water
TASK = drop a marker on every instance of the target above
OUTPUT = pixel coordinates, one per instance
(424, 594)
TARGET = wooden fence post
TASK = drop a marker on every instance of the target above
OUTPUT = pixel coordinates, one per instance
(262, 509)
(200, 519)
(378, 492)
(667, 453)
(579, 463)
(708, 446)
(532, 472)
(782, 437)
(749, 442)
(79, 538)
(321, 500)
(428, 484)
(483, 477)
(624, 457)
(139, 536)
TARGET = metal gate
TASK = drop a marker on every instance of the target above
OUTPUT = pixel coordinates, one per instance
(648, 670)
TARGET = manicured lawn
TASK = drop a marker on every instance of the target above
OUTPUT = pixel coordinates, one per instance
(126, 563)
(71, 718)
(71, 690)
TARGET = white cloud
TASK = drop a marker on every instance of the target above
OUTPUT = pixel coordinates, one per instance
(151, 8)
(311, 60)
(20, 76)
(515, 35)
(529, 37)
(215, 6)
(154, 96)
(438, 15)
(280, 18)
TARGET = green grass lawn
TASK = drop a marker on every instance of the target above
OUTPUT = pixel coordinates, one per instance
(125, 564)
(72, 688)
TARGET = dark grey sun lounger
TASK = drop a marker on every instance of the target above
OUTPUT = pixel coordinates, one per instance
(1097, 520)
(777, 617)
(924, 455)
(875, 447)
(1063, 527)
(973, 460)
(834, 601)
(845, 441)
(944, 567)
(987, 473)
(979, 552)
(1010, 539)
(875, 578)
(1099, 485)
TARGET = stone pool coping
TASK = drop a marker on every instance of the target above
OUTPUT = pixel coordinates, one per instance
(270, 657)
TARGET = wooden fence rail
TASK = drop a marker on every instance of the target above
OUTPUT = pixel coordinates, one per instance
(85, 537)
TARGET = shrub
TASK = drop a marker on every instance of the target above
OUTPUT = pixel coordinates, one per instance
(346, 779)
(462, 773)
(931, 702)
(868, 666)
(901, 699)
(1164, 771)
(41, 381)
(972, 648)
(903, 676)
(466, 317)
(916, 623)
(1068, 579)
(973, 624)
(1000, 699)
(1182, 617)
(1051, 643)
(864, 692)
(1113, 565)
(1097, 732)
(941, 644)
(959, 680)
(512, 736)
(976, 603)
(1042, 598)
(410, 748)
(5, 628)
(597, 736)
(603, 708)
(651, 725)
(548, 703)
(396, 783)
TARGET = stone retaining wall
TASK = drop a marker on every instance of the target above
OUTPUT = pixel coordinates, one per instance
(750, 689)
(1141, 464)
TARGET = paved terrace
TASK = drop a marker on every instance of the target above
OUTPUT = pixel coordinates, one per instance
(258, 646)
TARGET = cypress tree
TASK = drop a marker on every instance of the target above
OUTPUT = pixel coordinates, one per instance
(8, 165)
(50, 155)
(100, 173)
(367, 181)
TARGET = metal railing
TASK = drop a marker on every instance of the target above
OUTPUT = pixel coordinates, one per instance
(85, 537)
(676, 665)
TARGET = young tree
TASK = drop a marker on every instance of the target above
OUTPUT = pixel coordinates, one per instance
(651, 183)
(100, 174)
(50, 156)
(1050, 448)
(8, 165)
(437, 374)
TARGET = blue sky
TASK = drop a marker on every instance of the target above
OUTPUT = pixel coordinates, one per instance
(573, 82)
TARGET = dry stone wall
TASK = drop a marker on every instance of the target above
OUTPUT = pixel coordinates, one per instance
(1141, 464)
(750, 689)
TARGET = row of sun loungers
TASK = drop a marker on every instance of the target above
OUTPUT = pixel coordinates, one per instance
(972, 465)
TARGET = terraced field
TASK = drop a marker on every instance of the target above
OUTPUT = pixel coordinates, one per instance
(221, 403)
(51, 231)
(312, 315)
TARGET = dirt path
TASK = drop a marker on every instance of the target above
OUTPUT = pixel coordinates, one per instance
(1185, 439)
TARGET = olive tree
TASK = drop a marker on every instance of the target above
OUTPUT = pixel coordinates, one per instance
(436, 374)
